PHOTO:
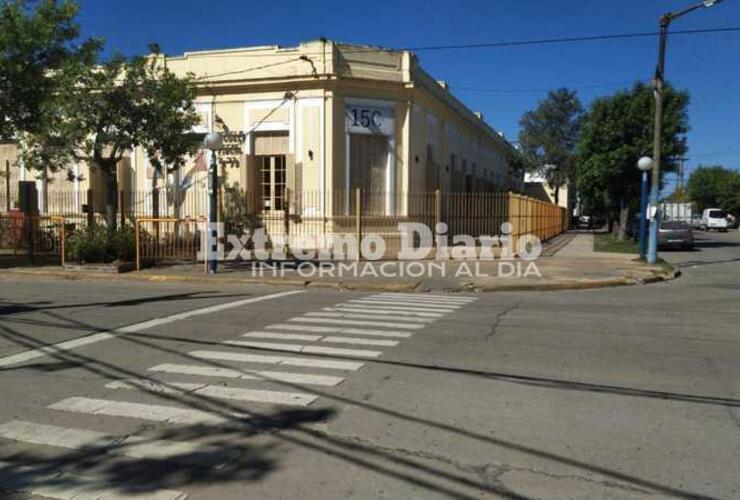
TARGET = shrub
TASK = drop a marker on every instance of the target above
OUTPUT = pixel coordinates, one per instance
(95, 244)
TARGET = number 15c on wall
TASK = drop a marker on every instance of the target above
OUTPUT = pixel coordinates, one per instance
(369, 120)
(366, 118)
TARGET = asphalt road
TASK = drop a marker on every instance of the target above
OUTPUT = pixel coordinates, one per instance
(627, 392)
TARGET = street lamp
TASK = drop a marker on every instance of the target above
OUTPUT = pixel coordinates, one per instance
(214, 142)
(644, 164)
(665, 22)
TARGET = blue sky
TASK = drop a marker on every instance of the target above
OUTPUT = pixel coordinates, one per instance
(706, 65)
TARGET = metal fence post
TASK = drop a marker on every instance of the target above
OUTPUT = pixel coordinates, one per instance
(138, 245)
(358, 221)
(63, 242)
(437, 213)
(90, 208)
(286, 221)
(7, 185)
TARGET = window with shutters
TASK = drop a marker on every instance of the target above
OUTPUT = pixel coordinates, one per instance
(272, 181)
(271, 151)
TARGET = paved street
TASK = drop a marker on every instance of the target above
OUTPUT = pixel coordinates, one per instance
(175, 390)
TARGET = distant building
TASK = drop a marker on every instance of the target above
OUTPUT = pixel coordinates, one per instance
(536, 186)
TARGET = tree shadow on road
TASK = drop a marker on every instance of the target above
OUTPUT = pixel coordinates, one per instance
(288, 428)
(8, 308)
(394, 465)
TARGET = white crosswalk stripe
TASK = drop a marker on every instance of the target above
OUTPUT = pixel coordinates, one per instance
(368, 316)
(424, 306)
(157, 413)
(221, 392)
(129, 446)
(339, 329)
(381, 311)
(352, 340)
(357, 322)
(266, 375)
(439, 298)
(239, 357)
(310, 349)
(283, 336)
(318, 338)
(52, 483)
(394, 306)
(380, 320)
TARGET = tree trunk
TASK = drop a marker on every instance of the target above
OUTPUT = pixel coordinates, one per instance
(155, 195)
(111, 198)
(623, 221)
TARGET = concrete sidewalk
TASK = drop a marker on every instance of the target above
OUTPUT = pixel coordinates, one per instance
(567, 262)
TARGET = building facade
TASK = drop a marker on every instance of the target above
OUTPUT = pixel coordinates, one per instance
(318, 119)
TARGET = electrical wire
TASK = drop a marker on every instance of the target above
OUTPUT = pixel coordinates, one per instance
(502, 44)
(456, 88)
(593, 38)
(245, 70)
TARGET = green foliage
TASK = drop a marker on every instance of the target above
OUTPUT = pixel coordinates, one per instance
(549, 135)
(107, 110)
(715, 186)
(38, 40)
(616, 131)
(97, 244)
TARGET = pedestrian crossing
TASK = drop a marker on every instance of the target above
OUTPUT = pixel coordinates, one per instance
(288, 364)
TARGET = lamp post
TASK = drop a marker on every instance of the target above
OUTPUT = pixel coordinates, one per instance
(665, 22)
(213, 141)
(644, 164)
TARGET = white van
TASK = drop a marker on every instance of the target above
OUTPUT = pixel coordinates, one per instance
(714, 218)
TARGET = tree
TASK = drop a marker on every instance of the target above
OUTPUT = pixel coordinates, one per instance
(107, 111)
(616, 131)
(37, 41)
(549, 135)
(715, 187)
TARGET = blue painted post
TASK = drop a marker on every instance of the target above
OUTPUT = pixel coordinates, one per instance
(652, 253)
(643, 213)
(213, 215)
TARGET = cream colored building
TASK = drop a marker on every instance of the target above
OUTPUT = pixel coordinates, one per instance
(318, 119)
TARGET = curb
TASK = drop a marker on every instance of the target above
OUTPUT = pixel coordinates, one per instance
(161, 278)
(396, 286)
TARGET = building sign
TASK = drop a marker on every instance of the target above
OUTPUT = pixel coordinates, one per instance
(369, 120)
(233, 148)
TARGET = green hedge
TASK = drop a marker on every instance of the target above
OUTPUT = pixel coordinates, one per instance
(94, 244)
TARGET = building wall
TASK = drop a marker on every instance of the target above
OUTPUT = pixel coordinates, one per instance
(308, 92)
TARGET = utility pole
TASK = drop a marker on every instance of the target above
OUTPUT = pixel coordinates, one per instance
(658, 87)
(681, 172)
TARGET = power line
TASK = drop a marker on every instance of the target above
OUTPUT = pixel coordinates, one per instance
(540, 91)
(494, 45)
(592, 38)
(245, 70)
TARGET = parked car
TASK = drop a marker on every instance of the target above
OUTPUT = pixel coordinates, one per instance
(696, 221)
(584, 221)
(714, 218)
(676, 234)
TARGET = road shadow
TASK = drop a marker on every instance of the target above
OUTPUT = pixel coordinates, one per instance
(7, 307)
(410, 469)
(699, 263)
(284, 427)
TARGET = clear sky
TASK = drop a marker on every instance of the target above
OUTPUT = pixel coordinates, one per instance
(500, 82)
